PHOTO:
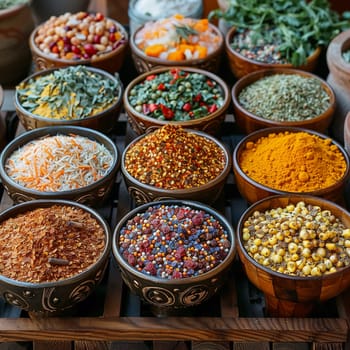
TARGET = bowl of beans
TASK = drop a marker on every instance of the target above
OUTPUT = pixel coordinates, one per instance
(190, 97)
(283, 97)
(281, 160)
(177, 41)
(54, 254)
(60, 162)
(245, 55)
(79, 38)
(70, 96)
(295, 249)
(174, 254)
(172, 162)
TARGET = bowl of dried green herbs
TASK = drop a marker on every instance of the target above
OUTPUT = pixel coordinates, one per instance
(282, 97)
(72, 96)
(271, 33)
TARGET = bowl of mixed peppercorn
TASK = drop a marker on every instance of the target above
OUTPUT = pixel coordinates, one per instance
(71, 96)
(79, 38)
(54, 254)
(189, 97)
(283, 97)
(177, 163)
(174, 254)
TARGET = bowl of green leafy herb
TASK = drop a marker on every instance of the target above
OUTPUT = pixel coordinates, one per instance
(268, 34)
(72, 96)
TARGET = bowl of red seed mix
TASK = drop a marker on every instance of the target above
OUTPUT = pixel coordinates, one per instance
(79, 38)
(61, 162)
(282, 97)
(190, 97)
(53, 254)
(174, 254)
(295, 249)
(72, 96)
(175, 163)
(177, 41)
(290, 160)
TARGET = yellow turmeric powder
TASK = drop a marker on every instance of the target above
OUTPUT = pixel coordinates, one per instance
(293, 161)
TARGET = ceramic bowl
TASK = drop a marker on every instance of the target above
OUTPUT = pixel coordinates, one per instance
(104, 121)
(248, 122)
(241, 65)
(110, 61)
(292, 295)
(208, 193)
(254, 191)
(94, 194)
(171, 296)
(144, 63)
(211, 123)
(53, 297)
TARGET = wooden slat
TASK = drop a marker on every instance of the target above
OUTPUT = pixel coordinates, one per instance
(52, 345)
(251, 346)
(91, 345)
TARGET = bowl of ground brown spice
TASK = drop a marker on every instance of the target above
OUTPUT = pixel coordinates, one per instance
(53, 254)
(290, 160)
(175, 163)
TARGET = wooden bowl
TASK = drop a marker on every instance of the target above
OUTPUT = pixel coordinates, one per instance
(144, 63)
(249, 122)
(54, 296)
(104, 121)
(93, 194)
(110, 61)
(171, 296)
(210, 124)
(254, 191)
(207, 193)
(289, 295)
(241, 65)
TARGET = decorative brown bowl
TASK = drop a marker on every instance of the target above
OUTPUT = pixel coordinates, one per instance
(104, 121)
(208, 193)
(254, 191)
(248, 122)
(144, 63)
(171, 296)
(53, 297)
(210, 124)
(289, 295)
(93, 194)
(241, 65)
(110, 61)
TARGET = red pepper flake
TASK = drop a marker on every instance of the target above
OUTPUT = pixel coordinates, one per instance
(167, 112)
(187, 107)
(151, 77)
(161, 87)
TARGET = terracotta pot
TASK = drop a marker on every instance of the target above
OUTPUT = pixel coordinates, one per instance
(16, 24)
(339, 79)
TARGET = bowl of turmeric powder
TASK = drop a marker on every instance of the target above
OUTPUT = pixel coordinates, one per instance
(70, 96)
(280, 160)
(60, 162)
(177, 41)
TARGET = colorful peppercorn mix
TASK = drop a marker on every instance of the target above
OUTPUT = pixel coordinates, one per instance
(173, 158)
(176, 95)
(301, 240)
(172, 242)
(79, 36)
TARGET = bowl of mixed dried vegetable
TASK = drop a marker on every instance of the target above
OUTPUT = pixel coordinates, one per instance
(80, 38)
(172, 162)
(290, 160)
(190, 97)
(53, 254)
(283, 97)
(62, 162)
(185, 250)
(295, 249)
(71, 96)
(177, 41)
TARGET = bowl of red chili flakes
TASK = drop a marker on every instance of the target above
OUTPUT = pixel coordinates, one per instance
(190, 97)
(53, 254)
(175, 163)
